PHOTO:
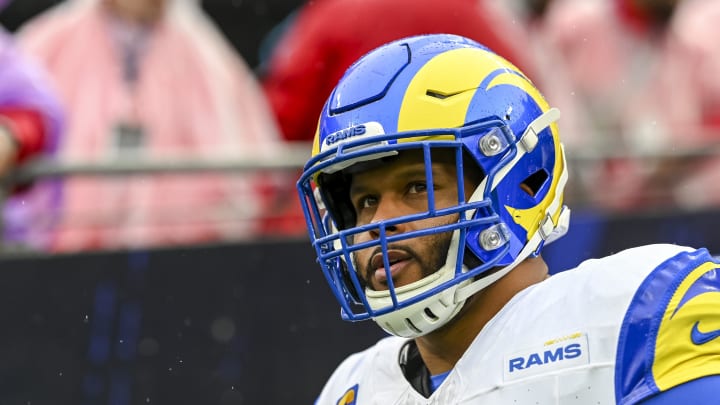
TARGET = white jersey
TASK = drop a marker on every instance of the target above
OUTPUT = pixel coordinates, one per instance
(610, 331)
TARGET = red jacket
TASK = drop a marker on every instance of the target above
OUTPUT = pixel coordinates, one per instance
(327, 36)
(28, 129)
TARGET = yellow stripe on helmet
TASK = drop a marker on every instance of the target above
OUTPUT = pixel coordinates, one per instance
(531, 218)
(455, 74)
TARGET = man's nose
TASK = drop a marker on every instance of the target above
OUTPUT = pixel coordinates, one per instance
(388, 209)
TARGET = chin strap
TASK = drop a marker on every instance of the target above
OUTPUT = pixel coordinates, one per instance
(547, 232)
(529, 138)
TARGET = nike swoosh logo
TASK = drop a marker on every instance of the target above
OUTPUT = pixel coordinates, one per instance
(700, 338)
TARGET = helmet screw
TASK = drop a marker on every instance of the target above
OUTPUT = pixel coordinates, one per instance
(491, 144)
(492, 238)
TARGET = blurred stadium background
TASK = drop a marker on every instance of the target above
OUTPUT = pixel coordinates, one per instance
(239, 322)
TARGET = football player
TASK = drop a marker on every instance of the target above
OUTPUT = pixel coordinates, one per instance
(436, 178)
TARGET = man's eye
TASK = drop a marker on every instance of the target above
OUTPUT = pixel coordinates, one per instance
(367, 202)
(418, 187)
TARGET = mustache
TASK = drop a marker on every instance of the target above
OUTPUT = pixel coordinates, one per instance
(368, 267)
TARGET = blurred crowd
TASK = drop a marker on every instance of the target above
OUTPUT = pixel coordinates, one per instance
(95, 80)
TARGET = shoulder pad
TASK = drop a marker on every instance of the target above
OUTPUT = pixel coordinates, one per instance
(671, 331)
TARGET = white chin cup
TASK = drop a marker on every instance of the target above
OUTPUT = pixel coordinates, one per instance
(428, 314)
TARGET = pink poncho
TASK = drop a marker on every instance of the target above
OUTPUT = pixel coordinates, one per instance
(192, 97)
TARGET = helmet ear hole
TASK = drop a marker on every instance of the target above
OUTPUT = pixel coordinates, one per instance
(534, 182)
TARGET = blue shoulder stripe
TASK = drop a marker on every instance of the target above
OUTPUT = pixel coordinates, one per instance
(670, 332)
(701, 391)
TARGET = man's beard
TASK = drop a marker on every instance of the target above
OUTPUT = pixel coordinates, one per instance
(437, 258)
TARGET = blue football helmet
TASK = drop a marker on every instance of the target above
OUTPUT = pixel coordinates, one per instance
(427, 93)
